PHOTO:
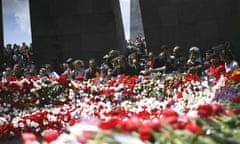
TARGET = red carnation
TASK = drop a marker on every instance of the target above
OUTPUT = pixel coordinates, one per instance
(132, 123)
(168, 113)
(236, 111)
(144, 132)
(208, 110)
(171, 119)
(236, 78)
(106, 125)
(179, 95)
(154, 123)
(205, 110)
(72, 121)
(63, 80)
(216, 108)
(235, 100)
(50, 135)
(193, 128)
(191, 77)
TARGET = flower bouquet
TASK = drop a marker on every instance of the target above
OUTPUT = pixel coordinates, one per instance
(174, 108)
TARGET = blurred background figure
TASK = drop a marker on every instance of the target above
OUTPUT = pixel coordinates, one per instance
(51, 73)
(92, 71)
(123, 67)
(216, 67)
(230, 63)
(178, 60)
(78, 70)
(194, 63)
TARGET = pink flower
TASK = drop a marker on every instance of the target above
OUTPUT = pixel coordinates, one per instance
(28, 138)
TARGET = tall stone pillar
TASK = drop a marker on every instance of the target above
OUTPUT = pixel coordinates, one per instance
(136, 25)
(80, 29)
(119, 24)
(1, 36)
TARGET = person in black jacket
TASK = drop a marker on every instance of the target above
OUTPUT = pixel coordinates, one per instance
(92, 71)
(123, 67)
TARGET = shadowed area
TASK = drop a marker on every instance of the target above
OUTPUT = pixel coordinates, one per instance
(76, 28)
(186, 23)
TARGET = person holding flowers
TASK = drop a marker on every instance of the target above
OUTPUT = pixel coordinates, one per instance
(216, 68)
(92, 71)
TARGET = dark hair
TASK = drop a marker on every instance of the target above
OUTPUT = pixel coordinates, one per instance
(227, 54)
(213, 55)
(164, 48)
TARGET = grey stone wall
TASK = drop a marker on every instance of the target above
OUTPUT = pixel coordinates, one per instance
(74, 28)
(136, 26)
(1, 36)
(203, 23)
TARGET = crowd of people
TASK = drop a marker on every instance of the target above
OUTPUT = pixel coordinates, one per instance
(138, 59)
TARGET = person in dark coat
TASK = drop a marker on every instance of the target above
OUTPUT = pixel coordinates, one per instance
(92, 71)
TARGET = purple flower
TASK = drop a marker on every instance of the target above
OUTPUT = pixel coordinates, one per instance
(227, 93)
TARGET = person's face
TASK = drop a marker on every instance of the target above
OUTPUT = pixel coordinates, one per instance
(193, 56)
(213, 60)
(207, 64)
(138, 38)
(114, 63)
(121, 62)
(8, 71)
(78, 66)
(91, 63)
(16, 68)
(109, 72)
(42, 72)
(207, 54)
(150, 55)
(165, 53)
(48, 68)
(130, 59)
(222, 58)
(176, 51)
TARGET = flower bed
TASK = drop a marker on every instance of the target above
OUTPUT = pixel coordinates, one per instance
(156, 109)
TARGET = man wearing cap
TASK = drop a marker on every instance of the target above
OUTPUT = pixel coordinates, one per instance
(69, 68)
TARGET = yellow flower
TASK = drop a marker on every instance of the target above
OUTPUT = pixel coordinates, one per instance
(235, 72)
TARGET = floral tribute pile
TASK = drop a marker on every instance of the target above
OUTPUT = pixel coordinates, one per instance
(160, 108)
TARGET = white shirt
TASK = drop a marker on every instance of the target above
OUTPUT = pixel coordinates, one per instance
(231, 66)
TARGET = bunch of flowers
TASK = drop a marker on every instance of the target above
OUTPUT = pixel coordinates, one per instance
(174, 108)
